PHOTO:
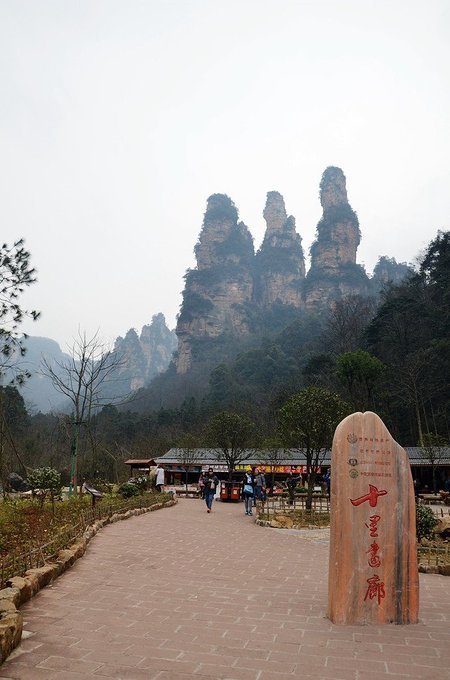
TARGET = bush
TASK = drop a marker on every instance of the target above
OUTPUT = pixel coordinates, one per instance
(142, 483)
(128, 489)
(103, 485)
(425, 522)
(46, 481)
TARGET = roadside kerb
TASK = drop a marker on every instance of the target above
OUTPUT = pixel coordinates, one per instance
(20, 589)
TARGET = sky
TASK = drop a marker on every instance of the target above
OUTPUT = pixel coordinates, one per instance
(119, 118)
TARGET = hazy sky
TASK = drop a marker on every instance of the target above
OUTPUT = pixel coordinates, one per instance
(118, 118)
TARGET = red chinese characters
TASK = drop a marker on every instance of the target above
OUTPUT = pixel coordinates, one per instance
(374, 560)
(373, 525)
(372, 497)
(376, 588)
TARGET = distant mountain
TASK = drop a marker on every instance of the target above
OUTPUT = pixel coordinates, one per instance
(143, 358)
(38, 391)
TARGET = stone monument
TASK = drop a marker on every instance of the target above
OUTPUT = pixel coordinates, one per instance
(373, 574)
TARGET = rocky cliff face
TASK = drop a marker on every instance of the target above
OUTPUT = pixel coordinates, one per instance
(388, 270)
(222, 284)
(147, 355)
(234, 293)
(334, 273)
(279, 263)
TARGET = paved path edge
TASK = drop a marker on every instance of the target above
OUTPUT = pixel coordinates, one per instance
(20, 589)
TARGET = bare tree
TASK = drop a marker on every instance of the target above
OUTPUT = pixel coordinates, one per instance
(347, 322)
(434, 451)
(188, 454)
(231, 436)
(83, 379)
(273, 455)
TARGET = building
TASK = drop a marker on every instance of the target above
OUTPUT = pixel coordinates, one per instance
(292, 460)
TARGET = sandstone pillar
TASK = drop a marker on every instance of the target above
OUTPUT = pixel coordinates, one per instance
(373, 575)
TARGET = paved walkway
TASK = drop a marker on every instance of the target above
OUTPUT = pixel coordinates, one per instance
(180, 594)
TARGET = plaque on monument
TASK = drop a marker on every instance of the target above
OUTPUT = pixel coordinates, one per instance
(373, 575)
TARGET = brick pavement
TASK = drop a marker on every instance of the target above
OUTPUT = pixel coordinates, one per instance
(181, 594)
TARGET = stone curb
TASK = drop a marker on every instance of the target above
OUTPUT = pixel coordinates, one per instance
(276, 525)
(20, 589)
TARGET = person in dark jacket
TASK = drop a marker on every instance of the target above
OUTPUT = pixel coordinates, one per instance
(327, 480)
(291, 483)
(260, 486)
(211, 483)
(248, 490)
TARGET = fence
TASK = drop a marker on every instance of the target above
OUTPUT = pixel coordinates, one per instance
(16, 564)
(318, 515)
(275, 505)
(280, 504)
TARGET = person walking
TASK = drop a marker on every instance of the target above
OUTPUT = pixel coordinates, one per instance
(260, 485)
(201, 485)
(211, 483)
(159, 482)
(248, 490)
(327, 480)
(291, 483)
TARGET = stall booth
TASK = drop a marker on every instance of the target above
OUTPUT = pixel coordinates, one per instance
(140, 466)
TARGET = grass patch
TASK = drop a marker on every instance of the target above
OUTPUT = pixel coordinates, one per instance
(26, 528)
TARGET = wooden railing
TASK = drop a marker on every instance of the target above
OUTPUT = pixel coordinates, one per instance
(280, 504)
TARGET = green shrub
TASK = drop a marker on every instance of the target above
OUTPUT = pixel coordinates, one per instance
(425, 521)
(103, 485)
(128, 489)
(46, 482)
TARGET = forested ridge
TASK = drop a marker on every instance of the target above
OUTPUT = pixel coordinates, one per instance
(389, 354)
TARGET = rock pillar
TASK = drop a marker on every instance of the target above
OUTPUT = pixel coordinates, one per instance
(373, 575)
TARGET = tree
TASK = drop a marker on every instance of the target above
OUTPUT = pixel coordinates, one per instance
(15, 275)
(82, 379)
(188, 455)
(433, 450)
(347, 322)
(410, 334)
(360, 372)
(231, 434)
(13, 419)
(47, 482)
(308, 421)
(319, 371)
(274, 454)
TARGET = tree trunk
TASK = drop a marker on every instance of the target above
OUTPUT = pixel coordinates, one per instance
(419, 421)
(433, 476)
(311, 484)
(73, 482)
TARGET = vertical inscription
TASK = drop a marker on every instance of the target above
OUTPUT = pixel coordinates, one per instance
(373, 562)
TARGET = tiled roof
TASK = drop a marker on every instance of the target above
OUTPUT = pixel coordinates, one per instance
(296, 457)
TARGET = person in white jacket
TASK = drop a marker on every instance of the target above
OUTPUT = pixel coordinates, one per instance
(159, 483)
